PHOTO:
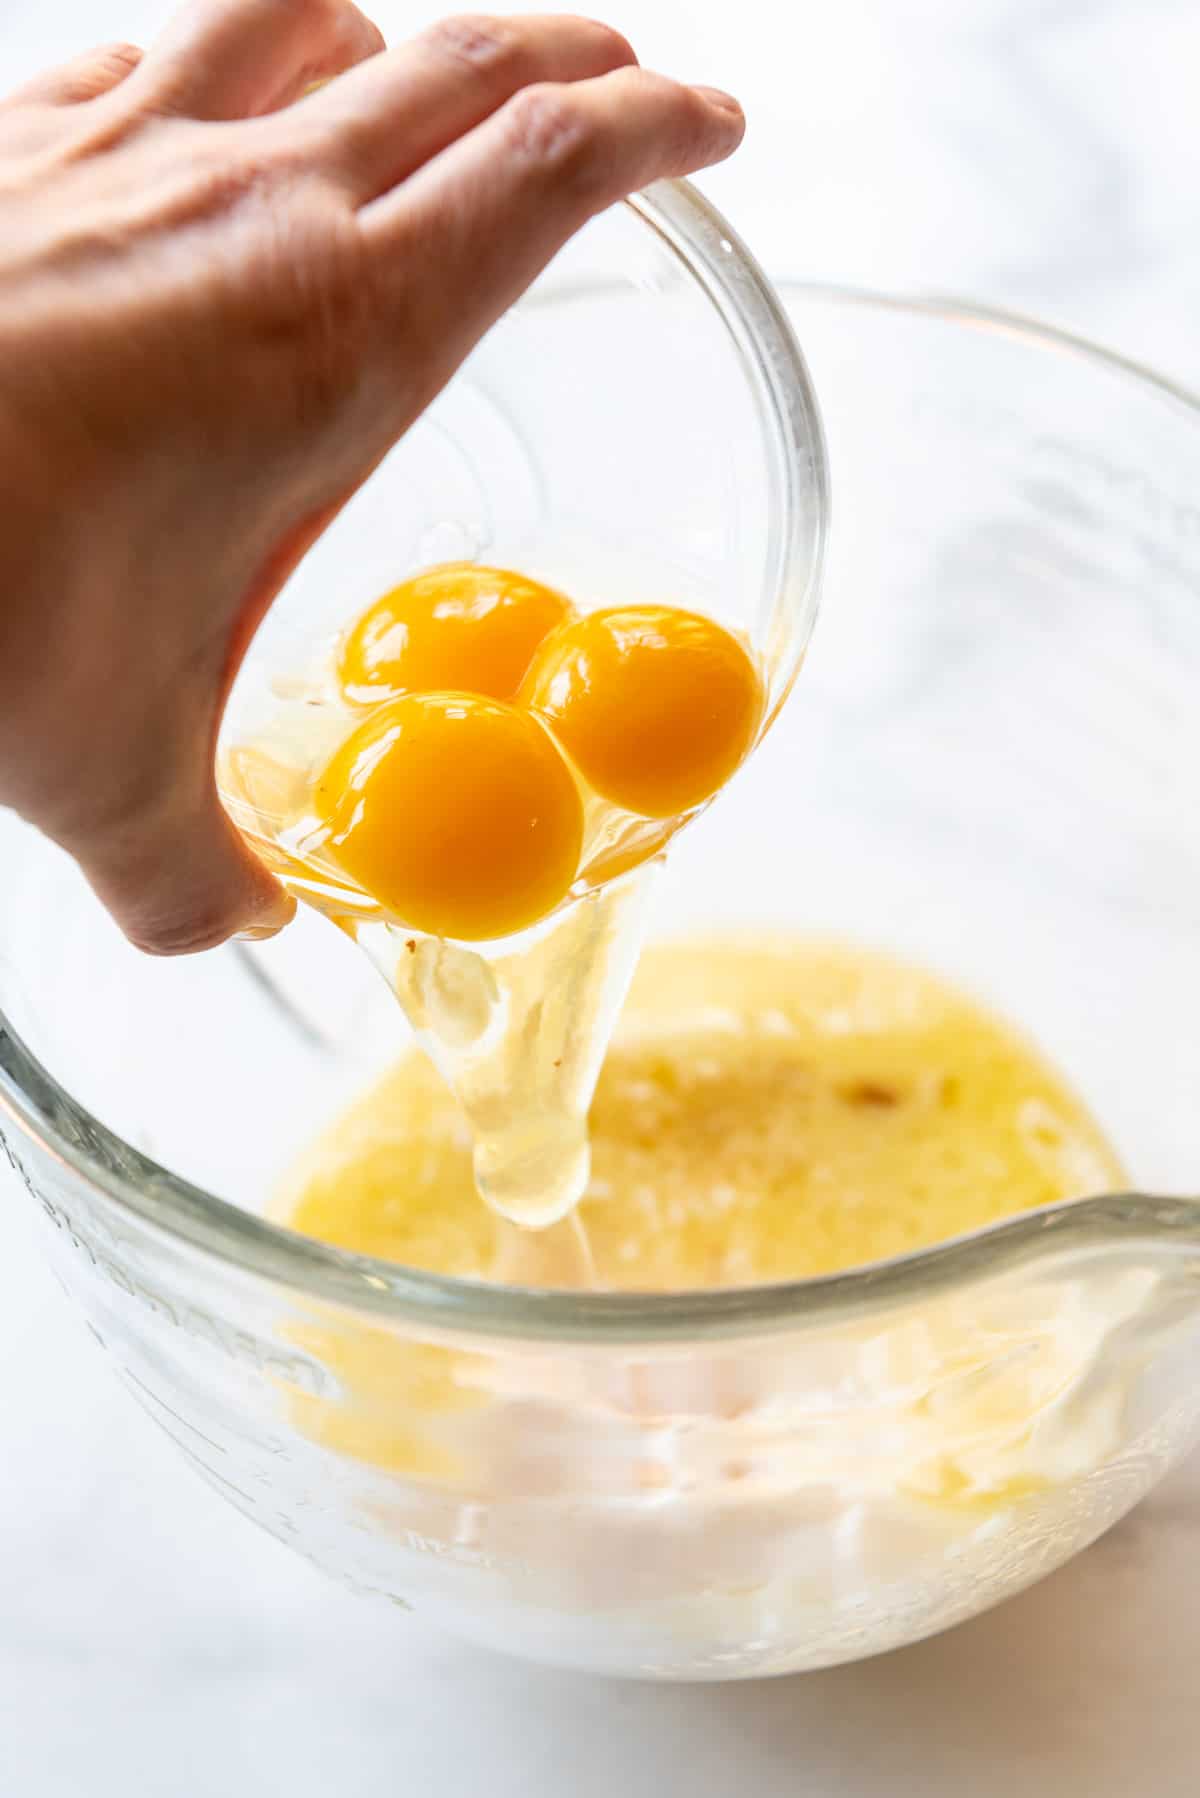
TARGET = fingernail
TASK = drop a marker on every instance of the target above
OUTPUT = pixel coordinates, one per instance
(717, 96)
(284, 912)
(259, 933)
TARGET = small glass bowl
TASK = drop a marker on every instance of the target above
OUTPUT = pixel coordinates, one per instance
(986, 767)
(640, 427)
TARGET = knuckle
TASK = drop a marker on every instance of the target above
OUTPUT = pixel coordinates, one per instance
(474, 39)
(546, 124)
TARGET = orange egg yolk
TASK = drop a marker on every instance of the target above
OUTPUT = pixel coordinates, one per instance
(456, 628)
(657, 707)
(457, 814)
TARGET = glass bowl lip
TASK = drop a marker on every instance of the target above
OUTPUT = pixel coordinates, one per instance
(185, 1214)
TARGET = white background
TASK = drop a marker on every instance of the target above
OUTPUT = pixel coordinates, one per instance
(1042, 153)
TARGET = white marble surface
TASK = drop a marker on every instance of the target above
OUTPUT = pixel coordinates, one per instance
(1038, 152)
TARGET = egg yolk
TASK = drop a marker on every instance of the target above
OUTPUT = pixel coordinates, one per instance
(657, 707)
(457, 814)
(456, 628)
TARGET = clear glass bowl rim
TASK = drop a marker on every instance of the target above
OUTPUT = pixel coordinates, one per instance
(177, 1210)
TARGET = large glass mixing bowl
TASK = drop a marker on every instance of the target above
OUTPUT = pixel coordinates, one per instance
(987, 765)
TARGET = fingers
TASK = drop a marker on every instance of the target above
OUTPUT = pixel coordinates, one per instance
(230, 59)
(86, 77)
(377, 125)
(465, 236)
(185, 882)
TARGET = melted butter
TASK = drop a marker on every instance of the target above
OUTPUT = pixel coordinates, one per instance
(768, 1110)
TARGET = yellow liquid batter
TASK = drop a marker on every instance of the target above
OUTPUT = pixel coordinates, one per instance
(769, 1109)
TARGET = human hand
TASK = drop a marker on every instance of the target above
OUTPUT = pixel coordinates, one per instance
(223, 298)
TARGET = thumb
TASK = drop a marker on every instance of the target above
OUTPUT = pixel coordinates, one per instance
(184, 880)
